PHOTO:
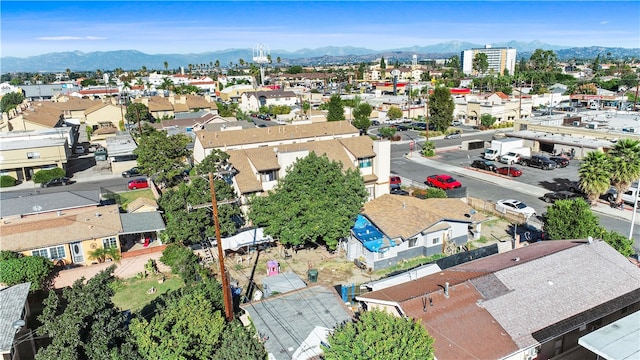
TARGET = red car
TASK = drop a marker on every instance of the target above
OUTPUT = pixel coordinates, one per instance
(509, 171)
(443, 181)
(139, 183)
(395, 181)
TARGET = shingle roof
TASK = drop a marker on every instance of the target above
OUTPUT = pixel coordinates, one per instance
(12, 301)
(40, 203)
(49, 229)
(141, 202)
(221, 139)
(417, 214)
(133, 223)
(523, 297)
(286, 320)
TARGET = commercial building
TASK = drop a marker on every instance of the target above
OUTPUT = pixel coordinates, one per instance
(499, 58)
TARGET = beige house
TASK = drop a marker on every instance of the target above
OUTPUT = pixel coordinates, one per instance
(67, 235)
(105, 114)
(22, 154)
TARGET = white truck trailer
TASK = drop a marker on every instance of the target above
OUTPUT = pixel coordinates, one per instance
(500, 147)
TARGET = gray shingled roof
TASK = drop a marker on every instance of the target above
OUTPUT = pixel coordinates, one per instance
(12, 300)
(24, 205)
(288, 319)
(133, 223)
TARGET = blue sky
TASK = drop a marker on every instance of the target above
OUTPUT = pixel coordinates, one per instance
(166, 27)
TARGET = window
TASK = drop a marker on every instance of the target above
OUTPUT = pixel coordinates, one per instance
(33, 155)
(435, 241)
(52, 253)
(109, 242)
(57, 252)
(365, 162)
(381, 255)
(40, 252)
(269, 176)
(412, 242)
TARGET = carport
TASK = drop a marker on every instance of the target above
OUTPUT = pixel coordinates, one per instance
(140, 230)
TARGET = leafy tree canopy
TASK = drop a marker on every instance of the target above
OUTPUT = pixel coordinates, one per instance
(621, 243)
(138, 112)
(381, 336)
(162, 156)
(296, 69)
(487, 120)
(394, 113)
(336, 109)
(361, 113)
(84, 323)
(441, 107)
(570, 219)
(16, 269)
(317, 202)
(625, 165)
(10, 101)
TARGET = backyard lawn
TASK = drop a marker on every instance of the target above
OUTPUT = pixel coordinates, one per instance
(131, 294)
(126, 197)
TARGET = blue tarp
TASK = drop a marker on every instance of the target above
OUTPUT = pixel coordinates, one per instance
(372, 238)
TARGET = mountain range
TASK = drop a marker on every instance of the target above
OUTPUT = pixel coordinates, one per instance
(134, 60)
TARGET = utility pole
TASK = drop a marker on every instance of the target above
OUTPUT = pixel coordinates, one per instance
(224, 278)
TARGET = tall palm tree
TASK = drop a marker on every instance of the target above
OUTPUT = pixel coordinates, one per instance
(595, 174)
(166, 66)
(625, 165)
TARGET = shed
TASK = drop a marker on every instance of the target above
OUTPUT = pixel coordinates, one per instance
(282, 283)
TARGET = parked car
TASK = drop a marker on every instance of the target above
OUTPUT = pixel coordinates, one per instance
(561, 161)
(402, 127)
(134, 171)
(509, 171)
(395, 181)
(456, 123)
(537, 161)
(56, 182)
(443, 181)
(79, 149)
(560, 195)
(375, 123)
(139, 183)
(515, 206)
(453, 135)
(484, 165)
(398, 191)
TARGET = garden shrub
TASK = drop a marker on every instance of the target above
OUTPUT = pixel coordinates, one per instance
(46, 175)
(7, 181)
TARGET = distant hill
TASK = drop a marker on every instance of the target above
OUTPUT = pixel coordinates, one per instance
(134, 60)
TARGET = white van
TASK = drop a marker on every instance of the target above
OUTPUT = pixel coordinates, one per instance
(594, 106)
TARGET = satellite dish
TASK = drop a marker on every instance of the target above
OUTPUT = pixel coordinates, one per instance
(37, 208)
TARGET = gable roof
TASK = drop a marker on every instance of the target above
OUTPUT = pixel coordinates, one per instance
(141, 202)
(50, 229)
(286, 320)
(12, 302)
(417, 214)
(221, 139)
(133, 223)
(523, 297)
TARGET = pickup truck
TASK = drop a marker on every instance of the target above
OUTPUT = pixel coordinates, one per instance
(628, 197)
(538, 161)
(443, 181)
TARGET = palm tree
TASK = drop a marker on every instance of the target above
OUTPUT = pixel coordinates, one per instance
(595, 175)
(102, 254)
(166, 66)
(625, 165)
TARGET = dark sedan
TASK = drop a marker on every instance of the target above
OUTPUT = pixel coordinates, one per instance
(56, 182)
(560, 195)
(509, 171)
(561, 161)
(484, 165)
(398, 191)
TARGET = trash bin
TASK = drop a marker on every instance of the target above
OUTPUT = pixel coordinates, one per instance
(312, 275)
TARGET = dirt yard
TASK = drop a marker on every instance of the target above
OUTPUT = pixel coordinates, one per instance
(333, 269)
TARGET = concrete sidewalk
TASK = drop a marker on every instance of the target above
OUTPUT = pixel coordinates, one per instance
(507, 182)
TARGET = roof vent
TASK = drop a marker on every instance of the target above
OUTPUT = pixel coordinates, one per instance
(590, 240)
(446, 289)
(516, 259)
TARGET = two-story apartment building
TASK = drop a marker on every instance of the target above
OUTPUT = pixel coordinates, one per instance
(252, 101)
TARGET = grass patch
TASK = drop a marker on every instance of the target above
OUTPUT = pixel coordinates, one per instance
(129, 196)
(131, 294)
(411, 263)
(491, 223)
(482, 240)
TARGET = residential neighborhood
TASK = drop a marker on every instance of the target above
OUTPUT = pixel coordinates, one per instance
(273, 211)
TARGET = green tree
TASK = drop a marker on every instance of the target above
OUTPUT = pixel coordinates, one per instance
(394, 113)
(361, 114)
(11, 101)
(88, 82)
(160, 156)
(543, 60)
(441, 107)
(296, 69)
(480, 63)
(383, 68)
(48, 174)
(595, 174)
(182, 261)
(570, 219)
(387, 132)
(381, 336)
(487, 120)
(137, 112)
(625, 165)
(621, 243)
(84, 323)
(317, 202)
(336, 109)
(238, 342)
(16, 269)
(306, 106)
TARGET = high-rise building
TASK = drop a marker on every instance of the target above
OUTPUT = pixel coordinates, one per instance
(499, 58)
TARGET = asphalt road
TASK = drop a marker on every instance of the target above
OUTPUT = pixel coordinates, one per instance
(551, 180)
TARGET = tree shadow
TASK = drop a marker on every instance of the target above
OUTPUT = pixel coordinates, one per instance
(558, 184)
